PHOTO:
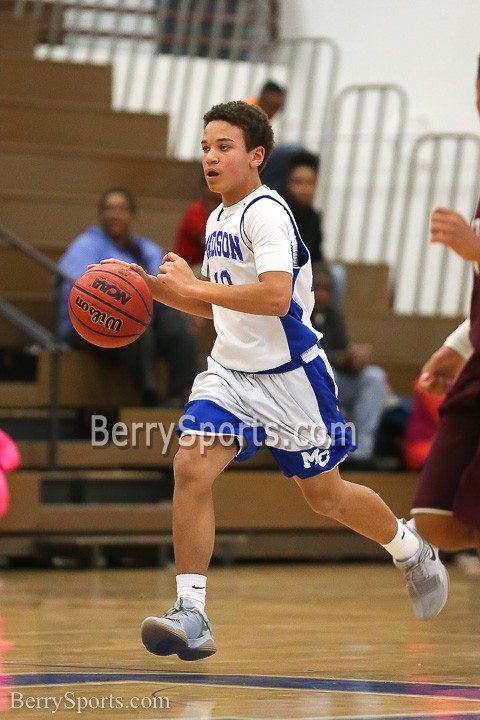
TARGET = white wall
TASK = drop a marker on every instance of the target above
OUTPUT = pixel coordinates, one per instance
(429, 47)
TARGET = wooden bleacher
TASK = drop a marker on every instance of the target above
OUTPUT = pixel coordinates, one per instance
(48, 80)
(77, 125)
(402, 343)
(18, 35)
(34, 168)
(61, 146)
(54, 166)
(259, 514)
(64, 215)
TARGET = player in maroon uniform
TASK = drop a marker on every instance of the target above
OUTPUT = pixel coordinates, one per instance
(446, 505)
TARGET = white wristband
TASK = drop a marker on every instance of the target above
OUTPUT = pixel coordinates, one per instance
(459, 340)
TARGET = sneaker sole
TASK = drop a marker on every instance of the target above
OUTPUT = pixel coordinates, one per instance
(163, 640)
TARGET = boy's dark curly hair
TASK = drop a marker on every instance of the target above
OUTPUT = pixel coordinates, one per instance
(254, 123)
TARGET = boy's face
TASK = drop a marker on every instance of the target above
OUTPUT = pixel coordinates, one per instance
(301, 184)
(229, 168)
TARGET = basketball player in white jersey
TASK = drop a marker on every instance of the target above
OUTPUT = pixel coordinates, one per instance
(267, 382)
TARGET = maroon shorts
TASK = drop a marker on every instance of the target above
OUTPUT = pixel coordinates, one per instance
(450, 479)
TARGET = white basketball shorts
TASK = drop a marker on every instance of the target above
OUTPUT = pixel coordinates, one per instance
(294, 413)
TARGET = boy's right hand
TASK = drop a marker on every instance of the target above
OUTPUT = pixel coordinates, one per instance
(149, 279)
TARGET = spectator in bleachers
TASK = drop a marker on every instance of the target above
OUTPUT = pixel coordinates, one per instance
(300, 186)
(190, 234)
(271, 99)
(362, 386)
(168, 334)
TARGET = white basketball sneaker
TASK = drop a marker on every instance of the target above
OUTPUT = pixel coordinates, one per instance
(184, 631)
(426, 578)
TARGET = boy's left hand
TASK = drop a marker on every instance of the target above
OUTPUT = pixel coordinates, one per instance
(176, 274)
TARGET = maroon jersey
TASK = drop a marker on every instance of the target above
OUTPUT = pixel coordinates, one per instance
(475, 304)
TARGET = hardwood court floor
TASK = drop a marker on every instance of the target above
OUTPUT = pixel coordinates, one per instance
(294, 641)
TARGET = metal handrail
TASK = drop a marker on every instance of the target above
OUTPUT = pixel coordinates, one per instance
(426, 187)
(376, 123)
(49, 340)
(31, 327)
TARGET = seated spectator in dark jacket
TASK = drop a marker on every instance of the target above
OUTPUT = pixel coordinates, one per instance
(167, 335)
(300, 185)
(362, 387)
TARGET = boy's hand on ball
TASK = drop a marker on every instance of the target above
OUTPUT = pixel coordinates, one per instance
(151, 280)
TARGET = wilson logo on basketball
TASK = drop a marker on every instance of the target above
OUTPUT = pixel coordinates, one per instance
(98, 316)
(111, 290)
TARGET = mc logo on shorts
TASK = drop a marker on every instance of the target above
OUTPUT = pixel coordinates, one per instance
(316, 457)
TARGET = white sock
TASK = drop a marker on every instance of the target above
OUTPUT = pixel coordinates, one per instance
(193, 587)
(404, 545)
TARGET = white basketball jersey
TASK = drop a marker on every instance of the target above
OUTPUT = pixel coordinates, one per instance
(254, 236)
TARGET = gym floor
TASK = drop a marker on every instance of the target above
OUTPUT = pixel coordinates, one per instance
(318, 640)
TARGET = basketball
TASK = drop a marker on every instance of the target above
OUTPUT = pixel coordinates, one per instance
(110, 305)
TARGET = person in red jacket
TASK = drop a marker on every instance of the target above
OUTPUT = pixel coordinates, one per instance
(190, 235)
(421, 428)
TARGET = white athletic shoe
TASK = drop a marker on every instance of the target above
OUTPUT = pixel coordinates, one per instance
(184, 631)
(426, 578)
